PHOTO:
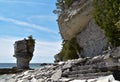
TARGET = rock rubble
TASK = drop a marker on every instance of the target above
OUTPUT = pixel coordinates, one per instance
(102, 68)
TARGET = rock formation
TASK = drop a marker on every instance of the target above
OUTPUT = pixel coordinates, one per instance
(92, 39)
(93, 67)
(74, 19)
(23, 50)
(77, 21)
(96, 64)
(102, 68)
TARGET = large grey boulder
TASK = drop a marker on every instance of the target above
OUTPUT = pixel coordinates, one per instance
(24, 52)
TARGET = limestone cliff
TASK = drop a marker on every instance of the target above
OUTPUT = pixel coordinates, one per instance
(24, 52)
(74, 19)
(92, 40)
(77, 21)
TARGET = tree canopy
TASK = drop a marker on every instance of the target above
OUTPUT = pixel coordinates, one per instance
(61, 5)
(107, 14)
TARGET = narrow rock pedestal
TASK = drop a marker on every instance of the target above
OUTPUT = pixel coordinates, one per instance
(24, 52)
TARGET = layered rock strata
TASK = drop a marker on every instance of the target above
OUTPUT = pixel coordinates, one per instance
(23, 52)
(102, 68)
(97, 66)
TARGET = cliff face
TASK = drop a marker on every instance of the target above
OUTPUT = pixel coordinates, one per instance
(23, 52)
(73, 20)
(92, 40)
(77, 21)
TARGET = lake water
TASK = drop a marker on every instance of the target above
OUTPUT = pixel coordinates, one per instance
(10, 65)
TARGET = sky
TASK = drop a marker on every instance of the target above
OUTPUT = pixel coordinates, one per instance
(21, 18)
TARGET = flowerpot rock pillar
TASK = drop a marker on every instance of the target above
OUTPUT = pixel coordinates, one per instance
(23, 51)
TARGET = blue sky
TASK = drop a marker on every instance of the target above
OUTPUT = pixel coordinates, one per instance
(21, 18)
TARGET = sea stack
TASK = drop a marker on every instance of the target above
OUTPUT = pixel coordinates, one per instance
(23, 51)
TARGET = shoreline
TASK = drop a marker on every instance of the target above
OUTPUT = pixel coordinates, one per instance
(14, 70)
(66, 72)
(102, 68)
(10, 71)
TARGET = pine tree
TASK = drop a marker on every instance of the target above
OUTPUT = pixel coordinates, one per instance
(107, 14)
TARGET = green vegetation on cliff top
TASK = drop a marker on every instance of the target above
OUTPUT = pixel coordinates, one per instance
(61, 5)
(107, 14)
(31, 40)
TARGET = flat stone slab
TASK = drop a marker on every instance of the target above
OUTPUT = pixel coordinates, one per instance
(9, 71)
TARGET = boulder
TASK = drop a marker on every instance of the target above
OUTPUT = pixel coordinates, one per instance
(56, 76)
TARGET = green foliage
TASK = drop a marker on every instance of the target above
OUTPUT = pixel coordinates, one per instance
(31, 40)
(61, 5)
(68, 2)
(107, 14)
(70, 50)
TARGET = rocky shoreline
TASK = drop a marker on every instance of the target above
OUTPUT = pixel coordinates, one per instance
(9, 71)
(98, 58)
(52, 73)
(14, 70)
(102, 68)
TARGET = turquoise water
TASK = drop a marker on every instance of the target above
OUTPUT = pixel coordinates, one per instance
(10, 65)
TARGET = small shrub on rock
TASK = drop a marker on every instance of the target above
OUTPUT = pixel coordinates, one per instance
(70, 50)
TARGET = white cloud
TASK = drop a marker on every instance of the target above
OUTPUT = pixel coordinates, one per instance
(26, 24)
(44, 51)
(47, 48)
(6, 50)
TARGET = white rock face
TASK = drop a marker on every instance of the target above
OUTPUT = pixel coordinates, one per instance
(92, 40)
(75, 19)
(57, 75)
(78, 81)
(109, 78)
